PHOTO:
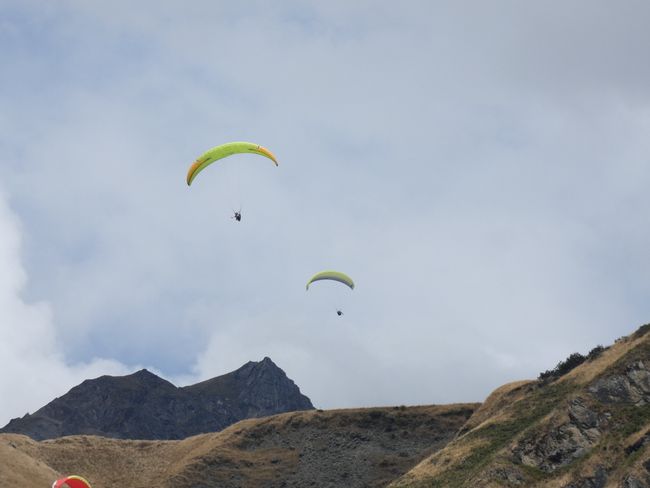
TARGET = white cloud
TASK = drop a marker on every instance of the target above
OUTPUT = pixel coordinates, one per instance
(34, 369)
(479, 170)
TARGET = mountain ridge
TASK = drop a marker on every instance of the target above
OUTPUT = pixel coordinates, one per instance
(584, 424)
(142, 405)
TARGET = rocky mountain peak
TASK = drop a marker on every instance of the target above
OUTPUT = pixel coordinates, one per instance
(265, 363)
(144, 406)
(143, 373)
(146, 377)
(257, 369)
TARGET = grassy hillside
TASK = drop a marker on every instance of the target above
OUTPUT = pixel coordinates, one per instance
(352, 448)
(587, 428)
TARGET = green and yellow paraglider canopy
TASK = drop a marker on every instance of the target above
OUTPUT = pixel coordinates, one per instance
(332, 275)
(223, 151)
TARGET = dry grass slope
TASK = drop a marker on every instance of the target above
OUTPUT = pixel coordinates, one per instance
(351, 448)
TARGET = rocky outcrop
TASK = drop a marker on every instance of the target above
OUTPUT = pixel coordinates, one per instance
(563, 444)
(144, 406)
(568, 441)
(587, 428)
(633, 386)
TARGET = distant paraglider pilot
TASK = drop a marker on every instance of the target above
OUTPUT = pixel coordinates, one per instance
(237, 216)
(339, 313)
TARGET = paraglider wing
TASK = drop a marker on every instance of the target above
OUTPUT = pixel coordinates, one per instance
(71, 482)
(223, 151)
(332, 275)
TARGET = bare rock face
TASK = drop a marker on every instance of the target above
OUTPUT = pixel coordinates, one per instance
(571, 440)
(563, 444)
(631, 387)
(144, 406)
(558, 448)
(583, 417)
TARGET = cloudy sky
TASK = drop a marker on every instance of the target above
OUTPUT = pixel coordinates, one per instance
(481, 169)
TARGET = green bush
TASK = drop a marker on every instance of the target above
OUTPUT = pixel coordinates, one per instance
(595, 352)
(641, 331)
(563, 367)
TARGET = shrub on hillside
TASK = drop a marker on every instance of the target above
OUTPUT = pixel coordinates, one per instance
(641, 331)
(595, 352)
(563, 367)
(574, 360)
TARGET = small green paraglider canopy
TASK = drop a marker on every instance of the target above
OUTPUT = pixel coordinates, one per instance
(332, 275)
(223, 151)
